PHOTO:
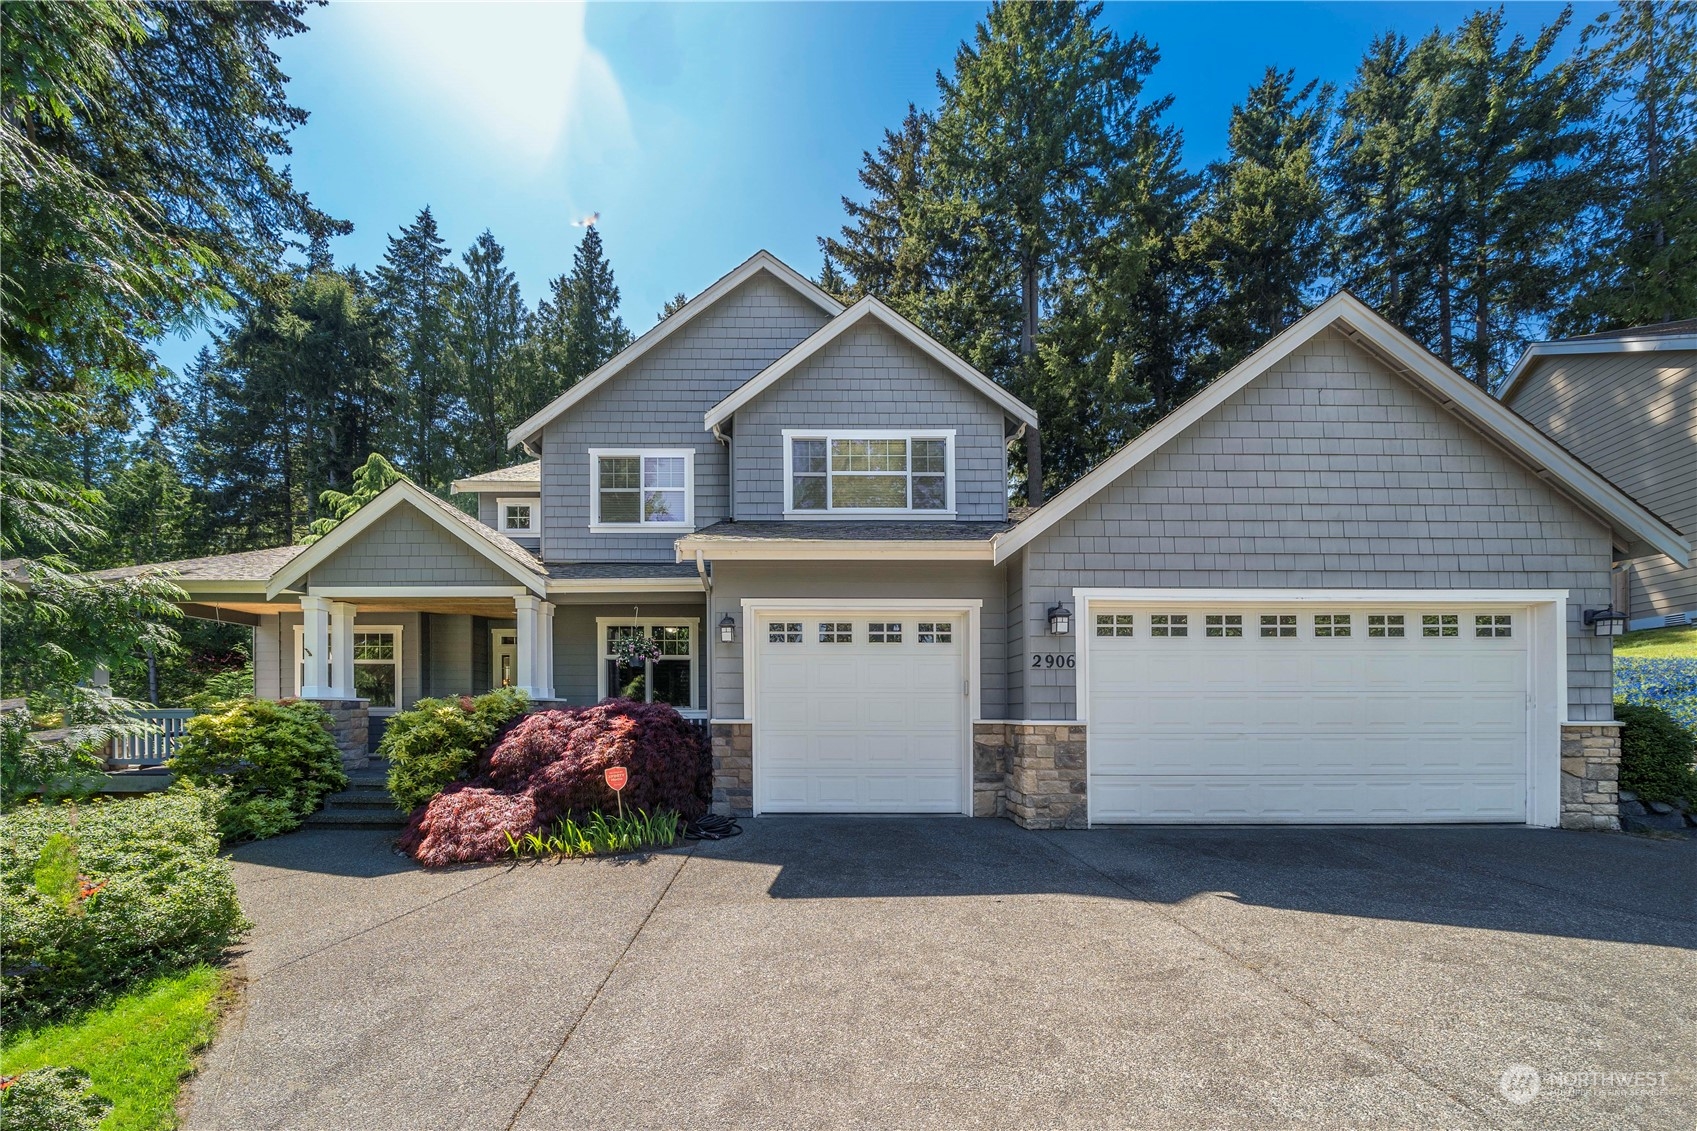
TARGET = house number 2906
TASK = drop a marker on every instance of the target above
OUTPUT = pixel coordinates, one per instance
(1053, 660)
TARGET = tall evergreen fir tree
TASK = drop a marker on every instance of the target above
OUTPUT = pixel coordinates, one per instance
(415, 285)
(489, 323)
(883, 250)
(1260, 239)
(672, 306)
(577, 328)
(1370, 170)
(1639, 263)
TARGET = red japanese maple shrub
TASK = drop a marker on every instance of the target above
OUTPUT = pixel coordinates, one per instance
(464, 823)
(550, 766)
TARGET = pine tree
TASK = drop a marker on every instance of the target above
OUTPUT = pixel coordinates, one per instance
(577, 329)
(1260, 237)
(1500, 186)
(672, 306)
(1370, 169)
(416, 284)
(1639, 265)
(882, 250)
(489, 322)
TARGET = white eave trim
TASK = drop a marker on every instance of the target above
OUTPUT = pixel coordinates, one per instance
(1539, 350)
(350, 528)
(868, 307)
(759, 261)
(780, 550)
(1405, 357)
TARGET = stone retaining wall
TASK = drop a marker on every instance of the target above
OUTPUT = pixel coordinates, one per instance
(350, 722)
(733, 769)
(1590, 776)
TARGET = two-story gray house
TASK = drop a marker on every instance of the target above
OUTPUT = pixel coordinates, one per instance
(1339, 585)
(1625, 402)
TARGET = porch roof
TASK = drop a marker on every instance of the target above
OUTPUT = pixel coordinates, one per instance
(847, 539)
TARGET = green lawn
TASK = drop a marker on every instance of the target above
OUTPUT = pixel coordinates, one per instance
(1658, 643)
(135, 1051)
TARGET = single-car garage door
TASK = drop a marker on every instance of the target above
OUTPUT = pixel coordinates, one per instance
(1313, 713)
(859, 713)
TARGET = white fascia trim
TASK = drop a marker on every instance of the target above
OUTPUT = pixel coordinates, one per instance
(846, 550)
(384, 592)
(1538, 350)
(626, 585)
(402, 490)
(212, 585)
(1404, 356)
(865, 308)
(759, 261)
(1352, 596)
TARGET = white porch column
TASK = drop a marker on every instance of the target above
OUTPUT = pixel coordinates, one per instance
(315, 642)
(545, 651)
(341, 650)
(527, 656)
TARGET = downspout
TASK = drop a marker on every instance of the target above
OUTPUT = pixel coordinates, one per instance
(708, 631)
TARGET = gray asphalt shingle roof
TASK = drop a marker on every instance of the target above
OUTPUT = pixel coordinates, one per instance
(599, 571)
(247, 565)
(520, 474)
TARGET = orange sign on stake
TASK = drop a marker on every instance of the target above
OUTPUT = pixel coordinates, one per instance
(616, 777)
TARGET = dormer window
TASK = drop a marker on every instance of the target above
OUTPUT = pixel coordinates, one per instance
(636, 489)
(870, 472)
(521, 518)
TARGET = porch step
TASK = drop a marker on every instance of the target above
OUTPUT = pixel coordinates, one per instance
(365, 804)
(357, 819)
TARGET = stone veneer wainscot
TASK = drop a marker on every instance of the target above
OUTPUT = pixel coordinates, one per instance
(1590, 776)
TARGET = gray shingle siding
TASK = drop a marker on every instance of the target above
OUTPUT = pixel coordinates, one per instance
(489, 514)
(870, 378)
(1327, 472)
(406, 548)
(659, 403)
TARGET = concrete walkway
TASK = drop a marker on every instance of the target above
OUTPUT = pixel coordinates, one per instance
(947, 973)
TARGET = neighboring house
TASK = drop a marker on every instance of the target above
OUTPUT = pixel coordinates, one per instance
(1339, 585)
(1625, 402)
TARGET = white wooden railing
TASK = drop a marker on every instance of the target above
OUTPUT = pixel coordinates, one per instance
(152, 748)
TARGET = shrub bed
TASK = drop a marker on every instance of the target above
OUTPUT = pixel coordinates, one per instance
(438, 741)
(1666, 682)
(276, 762)
(1655, 755)
(97, 897)
(549, 768)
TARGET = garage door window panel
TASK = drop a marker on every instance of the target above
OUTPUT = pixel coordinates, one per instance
(884, 632)
(836, 632)
(936, 632)
(1114, 624)
(1440, 624)
(783, 632)
(1385, 625)
(1496, 625)
(1169, 624)
(1331, 625)
(1223, 624)
(1278, 625)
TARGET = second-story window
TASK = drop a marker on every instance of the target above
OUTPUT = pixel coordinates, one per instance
(519, 516)
(634, 489)
(870, 472)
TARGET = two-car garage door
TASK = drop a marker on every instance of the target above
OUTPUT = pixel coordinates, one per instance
(1307, 713)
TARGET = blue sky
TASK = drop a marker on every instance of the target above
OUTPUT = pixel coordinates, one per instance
(702, 132)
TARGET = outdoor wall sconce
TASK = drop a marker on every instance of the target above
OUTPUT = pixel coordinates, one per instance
(1605, 622)
(1060, 620)
(727, 629)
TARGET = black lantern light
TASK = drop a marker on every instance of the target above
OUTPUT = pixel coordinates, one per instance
(727, 629)
(1605, 622)
(1060, 620)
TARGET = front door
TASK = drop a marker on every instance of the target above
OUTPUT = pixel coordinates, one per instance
(504, 657)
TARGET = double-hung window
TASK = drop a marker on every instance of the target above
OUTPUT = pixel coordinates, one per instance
(869, 472)
(638, 489)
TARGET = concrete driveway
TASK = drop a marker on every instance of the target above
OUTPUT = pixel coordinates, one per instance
(958, 973)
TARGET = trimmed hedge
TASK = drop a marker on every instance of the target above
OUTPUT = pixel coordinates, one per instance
(549, 767)
(1656, 753)
(97, 897)
(52, 1099)
(278, 762)
(438, 741)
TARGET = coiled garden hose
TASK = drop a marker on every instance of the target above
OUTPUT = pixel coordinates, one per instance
(712, 827)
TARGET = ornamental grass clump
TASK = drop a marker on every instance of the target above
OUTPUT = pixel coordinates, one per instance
(99, 896)
(274, 762)
(438, 741)
(548, 769)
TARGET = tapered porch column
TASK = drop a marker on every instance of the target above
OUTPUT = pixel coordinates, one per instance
(315, 642)
(531, 675)
(342, 650)
(545, 651)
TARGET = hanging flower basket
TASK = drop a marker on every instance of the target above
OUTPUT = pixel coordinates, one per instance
(633, 651)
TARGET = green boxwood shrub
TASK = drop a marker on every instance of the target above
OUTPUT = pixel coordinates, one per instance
(52, 1099)
(1655, 754)
(277, 761)
(96, 897)
(438, 740)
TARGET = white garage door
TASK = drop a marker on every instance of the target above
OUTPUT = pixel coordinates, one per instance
(859, 713)
(1317, 714)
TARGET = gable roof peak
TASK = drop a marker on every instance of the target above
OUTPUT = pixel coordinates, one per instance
(760, 261)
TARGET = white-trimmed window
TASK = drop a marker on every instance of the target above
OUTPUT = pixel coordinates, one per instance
(641, 489)
(671, 678)
(1278, 625)
(519, 517)
(1114, 624)
(869, 472)
(377, 665)
(1331, 624)
(1169, 624)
